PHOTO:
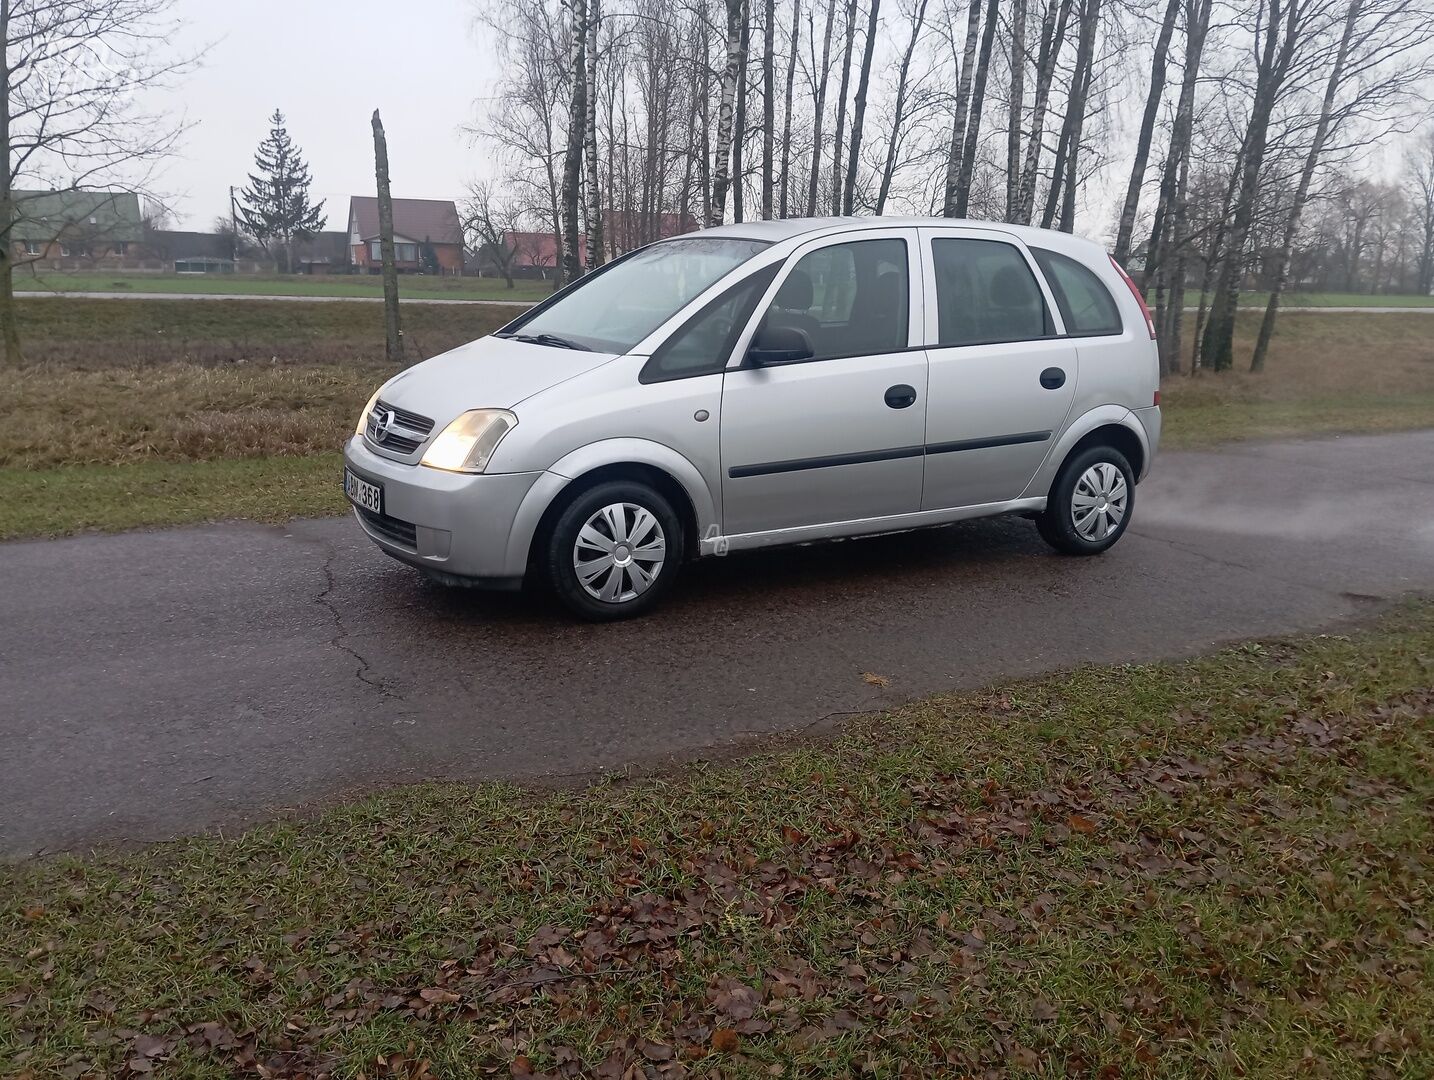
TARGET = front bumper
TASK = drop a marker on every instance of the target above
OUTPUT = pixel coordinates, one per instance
(451, 524)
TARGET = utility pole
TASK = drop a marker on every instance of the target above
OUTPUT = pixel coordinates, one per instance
(393, 335)
(233, 229)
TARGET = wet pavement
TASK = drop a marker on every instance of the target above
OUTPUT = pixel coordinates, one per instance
(162, 683)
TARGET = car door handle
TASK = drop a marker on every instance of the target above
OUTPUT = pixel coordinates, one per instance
(1053, 378)
(901, 396)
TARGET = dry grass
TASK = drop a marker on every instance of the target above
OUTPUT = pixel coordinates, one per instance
(104, 334)
(1324, 374)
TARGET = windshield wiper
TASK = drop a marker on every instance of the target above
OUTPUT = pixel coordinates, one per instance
(549, 339)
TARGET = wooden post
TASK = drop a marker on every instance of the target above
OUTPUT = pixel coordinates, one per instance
(393, 334)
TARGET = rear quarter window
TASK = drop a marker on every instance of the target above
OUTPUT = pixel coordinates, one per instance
(1085, 303)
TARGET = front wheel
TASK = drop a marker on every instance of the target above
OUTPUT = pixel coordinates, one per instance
(614, 551)
(1090, 502)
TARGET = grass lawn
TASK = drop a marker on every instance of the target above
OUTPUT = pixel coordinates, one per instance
(133, 413)
(1217, 868)
(410, 286)
(1258, 300)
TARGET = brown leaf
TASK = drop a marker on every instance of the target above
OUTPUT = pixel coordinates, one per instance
(436, 995)
(1080, 824)
(725, 1040)
(872, 679)
(1041, 1009)
(1024, 1057)
(522, 1066)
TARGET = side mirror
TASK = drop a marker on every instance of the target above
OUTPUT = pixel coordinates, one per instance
(779, 345)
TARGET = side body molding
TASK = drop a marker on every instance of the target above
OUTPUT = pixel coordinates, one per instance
(594, 456)
(1079, 428)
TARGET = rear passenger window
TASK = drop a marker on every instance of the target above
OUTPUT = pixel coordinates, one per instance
(1086, 304)
(986, 293)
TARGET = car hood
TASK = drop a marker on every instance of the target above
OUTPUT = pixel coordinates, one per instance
(490, 373)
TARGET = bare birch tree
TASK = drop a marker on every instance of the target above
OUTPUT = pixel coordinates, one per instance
(590, 138)
(1147, 133)
(1015, 107)
(1053, 32)
(859, 113)
(792, 50)
(572, 263)
(726, 110)
(819, 97)
(769, 106)
(903, 75)
(71, 115)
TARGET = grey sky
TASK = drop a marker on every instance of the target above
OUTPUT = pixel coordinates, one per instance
(327, 64)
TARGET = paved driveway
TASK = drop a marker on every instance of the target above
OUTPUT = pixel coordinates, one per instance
(159, 683)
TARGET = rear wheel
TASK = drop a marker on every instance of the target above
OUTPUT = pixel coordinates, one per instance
(1090, 502)
(614, 550)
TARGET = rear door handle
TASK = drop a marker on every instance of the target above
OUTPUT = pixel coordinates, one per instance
(901, 396)
(1053, 378)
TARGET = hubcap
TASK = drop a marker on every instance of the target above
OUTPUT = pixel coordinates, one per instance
(619, 552)
(1098, 504)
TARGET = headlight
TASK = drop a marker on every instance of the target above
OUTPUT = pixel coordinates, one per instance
(363, 416)
(467, 444)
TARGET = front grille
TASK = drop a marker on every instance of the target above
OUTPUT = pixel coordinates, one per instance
(402, 533)
(406, 431)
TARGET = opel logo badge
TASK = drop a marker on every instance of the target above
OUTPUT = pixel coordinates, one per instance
(383, 423)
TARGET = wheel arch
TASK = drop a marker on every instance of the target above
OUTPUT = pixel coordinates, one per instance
(1109, 425)
(641, 460)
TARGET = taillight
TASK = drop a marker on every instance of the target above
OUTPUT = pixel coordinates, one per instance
(1156, 401)
(1135, 292)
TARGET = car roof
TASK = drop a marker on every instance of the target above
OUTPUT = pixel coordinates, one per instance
(776, 231)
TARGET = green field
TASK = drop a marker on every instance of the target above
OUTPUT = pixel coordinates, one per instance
(1216, 868)
(410, 286)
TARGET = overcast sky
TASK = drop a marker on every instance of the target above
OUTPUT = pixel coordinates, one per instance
(327, 64)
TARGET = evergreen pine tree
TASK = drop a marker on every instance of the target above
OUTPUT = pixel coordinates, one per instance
(275, 208)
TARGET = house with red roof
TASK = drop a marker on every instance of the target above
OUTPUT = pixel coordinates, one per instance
(427, 236)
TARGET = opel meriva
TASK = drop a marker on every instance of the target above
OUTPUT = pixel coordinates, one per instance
(774, 382)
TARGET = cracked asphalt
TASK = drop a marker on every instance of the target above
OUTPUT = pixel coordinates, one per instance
(163, 683)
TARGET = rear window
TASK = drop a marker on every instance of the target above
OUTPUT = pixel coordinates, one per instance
(1086, 304)
(986, 293)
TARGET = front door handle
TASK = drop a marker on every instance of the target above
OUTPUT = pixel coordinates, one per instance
(901, 396)
(1053, 378)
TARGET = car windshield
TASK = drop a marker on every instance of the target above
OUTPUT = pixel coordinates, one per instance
(613, 310)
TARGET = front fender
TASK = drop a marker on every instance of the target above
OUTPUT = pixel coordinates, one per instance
(596, 455)
(1100, 416)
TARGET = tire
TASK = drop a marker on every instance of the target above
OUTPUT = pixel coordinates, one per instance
(586, 532)
(1096, 482)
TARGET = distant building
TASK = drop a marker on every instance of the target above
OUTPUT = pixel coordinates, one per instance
(418, 224)
(535, 254)
(75, 229)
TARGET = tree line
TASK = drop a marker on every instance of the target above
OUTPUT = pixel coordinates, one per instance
(1216, 144)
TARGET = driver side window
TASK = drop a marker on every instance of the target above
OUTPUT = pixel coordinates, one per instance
(849, 299)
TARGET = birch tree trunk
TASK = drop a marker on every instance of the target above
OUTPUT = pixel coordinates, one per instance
(1147, 131)
(1302, 190)
(859, 115)
(573, 155)
(1053, 32)
(596, 255)
(787, 108)
(848, 44)
(1171, 201)
(1075, 113)
(721, 176)
(899, 115)
(963, 103)
(973, 123)
(819, 99)
(1017, 103)
(769, 107)
(392, 332)
(739, 126)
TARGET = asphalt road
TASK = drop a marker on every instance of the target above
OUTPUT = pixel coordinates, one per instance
(160, 683)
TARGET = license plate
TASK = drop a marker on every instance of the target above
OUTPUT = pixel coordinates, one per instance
(363, 494)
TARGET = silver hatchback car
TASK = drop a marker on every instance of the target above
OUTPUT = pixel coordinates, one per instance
(774, 382)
